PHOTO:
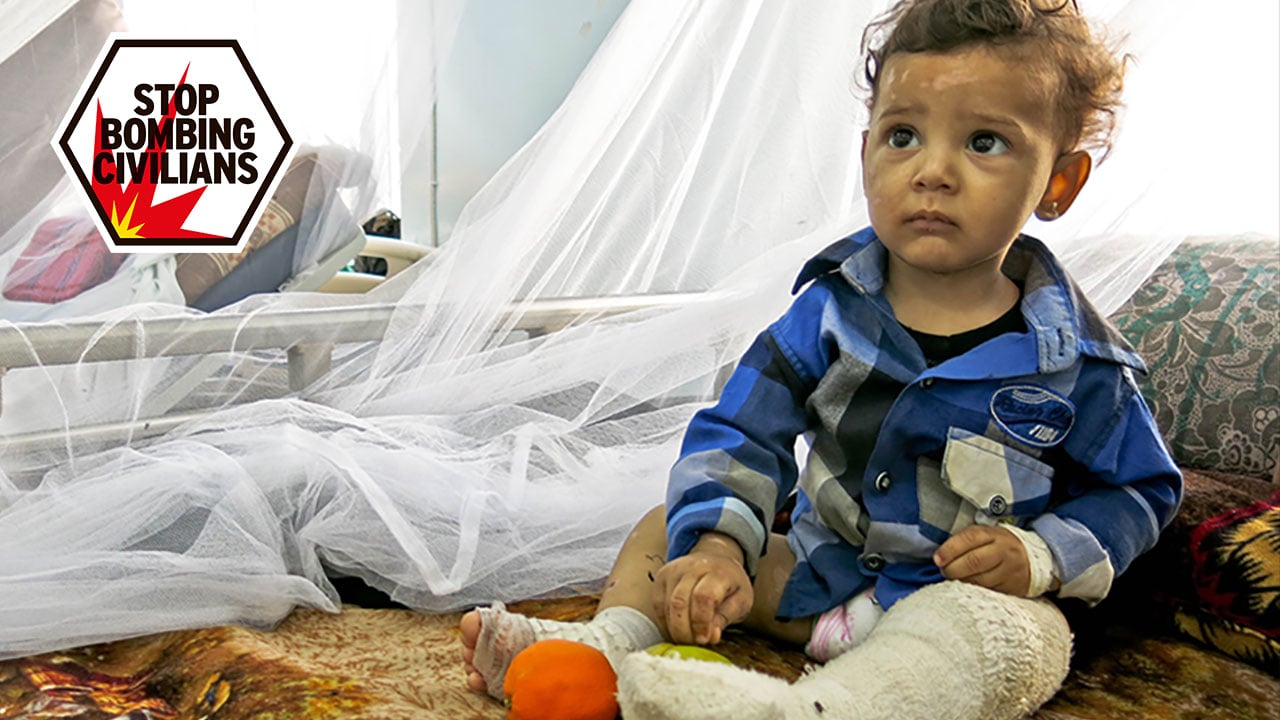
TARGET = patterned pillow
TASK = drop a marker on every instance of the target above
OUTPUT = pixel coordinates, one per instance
(1236, 565)
(1236, 568)
(1214, 575)
(1238, 641)
(1208, 324)
(197, 272)
(65, 257)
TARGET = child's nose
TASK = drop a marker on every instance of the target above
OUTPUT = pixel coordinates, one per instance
(934, 172)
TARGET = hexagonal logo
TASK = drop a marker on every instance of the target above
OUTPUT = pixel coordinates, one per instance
(176, 145)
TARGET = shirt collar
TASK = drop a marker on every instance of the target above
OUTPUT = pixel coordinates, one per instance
(840, 254)
(1065, 324)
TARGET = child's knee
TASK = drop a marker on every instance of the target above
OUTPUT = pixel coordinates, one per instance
(657, 516)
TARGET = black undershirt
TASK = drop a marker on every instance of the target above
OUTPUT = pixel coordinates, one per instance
(857, 432)
(940, 348)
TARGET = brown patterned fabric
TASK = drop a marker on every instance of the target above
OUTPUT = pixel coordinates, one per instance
(197, 272)
(396, 664)
(1208, 325)
(390, 664)
(1238, 641)
(1158, 677)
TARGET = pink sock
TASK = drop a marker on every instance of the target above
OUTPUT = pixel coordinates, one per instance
(844, 627)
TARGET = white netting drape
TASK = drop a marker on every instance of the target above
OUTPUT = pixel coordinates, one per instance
(708, 149)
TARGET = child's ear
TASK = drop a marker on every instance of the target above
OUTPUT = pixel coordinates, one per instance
(863, 164)
(1070, 173)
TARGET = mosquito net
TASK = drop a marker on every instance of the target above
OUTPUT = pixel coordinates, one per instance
(489, 423)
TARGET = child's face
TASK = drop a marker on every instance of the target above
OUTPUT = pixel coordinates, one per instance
(958, 155)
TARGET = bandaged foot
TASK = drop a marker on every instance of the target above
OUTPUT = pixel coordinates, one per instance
(950, 651)
(491, 637)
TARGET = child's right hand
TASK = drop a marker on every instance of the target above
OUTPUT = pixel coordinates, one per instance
(699, 595)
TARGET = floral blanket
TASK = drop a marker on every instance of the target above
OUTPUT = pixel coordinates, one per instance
(1147, 652)
(393, 664)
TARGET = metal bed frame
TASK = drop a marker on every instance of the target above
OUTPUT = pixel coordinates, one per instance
(308, 337)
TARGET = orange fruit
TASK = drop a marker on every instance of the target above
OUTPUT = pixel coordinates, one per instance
(560, 680)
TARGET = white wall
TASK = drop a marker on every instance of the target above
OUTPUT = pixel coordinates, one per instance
(511, 65)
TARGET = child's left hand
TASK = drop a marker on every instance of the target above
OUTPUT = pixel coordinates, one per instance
(988, 556)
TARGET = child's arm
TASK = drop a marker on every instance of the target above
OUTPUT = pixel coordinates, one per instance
(698, 595)
(1126, 494)
(736, 468)
(1131, 493)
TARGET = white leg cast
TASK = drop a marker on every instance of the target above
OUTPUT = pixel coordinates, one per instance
(950, 651)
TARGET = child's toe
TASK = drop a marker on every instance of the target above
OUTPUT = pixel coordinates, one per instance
(470, 627)
(475, 682)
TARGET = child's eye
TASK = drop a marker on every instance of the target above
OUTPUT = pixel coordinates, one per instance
(988, 144)
(902, 138)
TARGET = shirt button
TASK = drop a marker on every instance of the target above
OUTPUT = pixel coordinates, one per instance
(998, 506)
(873, 562)
(926, 383)
(883, 481)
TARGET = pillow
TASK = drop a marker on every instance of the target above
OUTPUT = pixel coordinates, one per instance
(1236, 565)
(65, 257)
(1164, 576)
(1236, 569)
(1231, 639)
(197, 272)
(1214, 575)
(1208, 324)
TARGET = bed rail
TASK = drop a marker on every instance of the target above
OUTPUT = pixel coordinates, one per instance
(309, 337)
(64, 343)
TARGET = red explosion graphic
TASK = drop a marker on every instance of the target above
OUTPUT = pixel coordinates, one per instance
(133, 210)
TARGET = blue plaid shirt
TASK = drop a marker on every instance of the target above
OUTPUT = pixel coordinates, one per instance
(1045, 429)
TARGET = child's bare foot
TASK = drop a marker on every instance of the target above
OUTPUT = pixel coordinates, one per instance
(470, 627)
(491, 637)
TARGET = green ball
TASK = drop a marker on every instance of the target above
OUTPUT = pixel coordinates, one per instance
(687, 652)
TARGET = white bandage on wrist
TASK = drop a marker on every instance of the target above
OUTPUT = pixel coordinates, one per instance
(1039, 557)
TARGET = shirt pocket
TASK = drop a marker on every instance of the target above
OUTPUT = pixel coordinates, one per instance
(1000, 482)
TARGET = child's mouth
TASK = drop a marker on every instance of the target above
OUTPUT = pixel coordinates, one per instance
(931, 221)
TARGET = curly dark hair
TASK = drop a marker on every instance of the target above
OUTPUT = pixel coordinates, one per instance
(1090, 72)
